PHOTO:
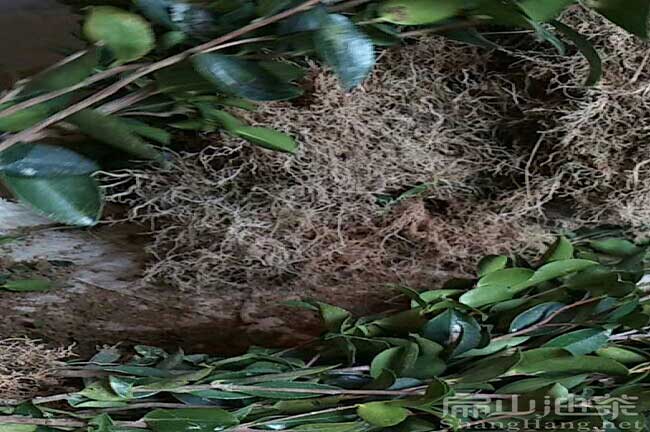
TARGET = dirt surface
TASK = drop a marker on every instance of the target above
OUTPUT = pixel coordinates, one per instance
(98, 297)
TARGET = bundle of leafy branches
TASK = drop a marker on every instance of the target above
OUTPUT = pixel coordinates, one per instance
(185, 63)
(570, 328)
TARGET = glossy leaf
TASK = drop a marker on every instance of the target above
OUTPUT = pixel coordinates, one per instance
(243, 78)
(534, 315)
(43, 160)
(346, 49)
(455, 330)
(190, 420)
(418, 12)
(73, 200)
(382, 414)
(267, 138)
(581, 342)
(129, 36)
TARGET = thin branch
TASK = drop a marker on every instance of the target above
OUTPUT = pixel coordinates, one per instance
(27, 134)
(415, 391)
(55, 94)
(68, 423)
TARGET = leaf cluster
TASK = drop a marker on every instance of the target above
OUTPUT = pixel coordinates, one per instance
(574, 324)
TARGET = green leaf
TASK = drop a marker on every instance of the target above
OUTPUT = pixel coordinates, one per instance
(615, 247)
(285, 71)
(267, 138)
(101, 423)
(397, 360)
(418, 12)
(455, 330)
(546, 10)
(533, 384)
(492, 263)
(489, 368)
(43, 160)
(555, 270)
(243, 78)
(534, 315)
(73, 200)
(346, 49)
(114, 132)
(561, 249)
(129, 36)
(581, 342)
(631, 15)
(573, 364)
(333, 316)
(382, 414)
(622, 355)
(63, 76)
(27, 285)
(434, 295)
(586, 49)
(100, 391)
(190, 420)
(496, 287)
(146, 131)
(25, 118)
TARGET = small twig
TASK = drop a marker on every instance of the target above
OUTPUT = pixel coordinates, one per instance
(128, 100)
(55, 94)
(53, 398)
(68, 423)
(247, 426)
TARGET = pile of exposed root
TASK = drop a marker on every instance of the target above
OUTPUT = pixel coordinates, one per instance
(27, 366)
(511, 147)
